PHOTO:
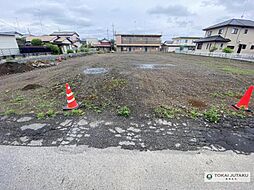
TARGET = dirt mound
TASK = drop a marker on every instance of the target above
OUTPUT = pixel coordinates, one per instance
(196, 103)
(13, 67)
(31, 87)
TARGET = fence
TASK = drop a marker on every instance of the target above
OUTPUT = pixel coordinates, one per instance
(245, 57)
(9, 52)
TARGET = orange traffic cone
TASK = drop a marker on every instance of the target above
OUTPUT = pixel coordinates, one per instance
(71, 102)
(244, 102)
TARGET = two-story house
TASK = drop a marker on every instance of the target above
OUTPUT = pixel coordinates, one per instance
(138, 42)
(180, 44)
(237, 34)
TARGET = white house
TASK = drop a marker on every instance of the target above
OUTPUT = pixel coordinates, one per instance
(8, 45)
(180, 44)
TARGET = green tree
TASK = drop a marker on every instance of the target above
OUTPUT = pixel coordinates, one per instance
(36, 42)
(54, 48)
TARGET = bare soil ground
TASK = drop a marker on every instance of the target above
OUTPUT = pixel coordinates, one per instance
(180, 82)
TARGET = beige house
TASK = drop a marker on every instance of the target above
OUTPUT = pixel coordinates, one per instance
(138, 42)
(237, 34)
(180, 44)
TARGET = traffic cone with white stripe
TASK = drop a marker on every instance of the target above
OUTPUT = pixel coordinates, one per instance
(71, 102)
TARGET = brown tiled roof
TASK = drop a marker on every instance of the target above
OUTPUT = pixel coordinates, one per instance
(42, 38)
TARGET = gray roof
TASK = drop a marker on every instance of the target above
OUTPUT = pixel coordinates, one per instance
(216, 38)
(6, 34)
(12, 33)
(233, 22)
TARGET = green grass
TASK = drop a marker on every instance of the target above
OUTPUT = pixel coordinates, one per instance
(74, 113)
(234, 70)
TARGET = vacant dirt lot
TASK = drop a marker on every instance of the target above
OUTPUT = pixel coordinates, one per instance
(143, 82)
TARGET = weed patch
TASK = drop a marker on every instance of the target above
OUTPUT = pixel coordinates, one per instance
(74, 113)
(10, 112)
(212, 115)
(124, 111)
(166, 112)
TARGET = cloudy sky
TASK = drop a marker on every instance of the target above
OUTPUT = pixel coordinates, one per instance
(94, 18)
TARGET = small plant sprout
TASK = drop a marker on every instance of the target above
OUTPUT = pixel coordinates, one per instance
(212, 115)
(124, 111)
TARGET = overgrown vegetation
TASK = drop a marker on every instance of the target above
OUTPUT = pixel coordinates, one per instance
(166, 112)
(124, 111)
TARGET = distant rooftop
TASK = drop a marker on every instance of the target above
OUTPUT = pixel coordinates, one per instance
(155, 35)
(64, 33)
(11, 33)
(186, 37)
(6, 34)
(233, 22)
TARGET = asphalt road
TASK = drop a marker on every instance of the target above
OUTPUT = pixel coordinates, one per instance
(114, 168)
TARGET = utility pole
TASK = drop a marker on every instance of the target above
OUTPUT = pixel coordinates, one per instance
(113, 31)
(107, 35)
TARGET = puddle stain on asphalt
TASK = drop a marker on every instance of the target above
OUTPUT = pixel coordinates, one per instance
(154, 66)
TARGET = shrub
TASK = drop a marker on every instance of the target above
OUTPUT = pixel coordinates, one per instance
(70, 51)
(36, 42)
(227, 50)
(54, 49)
(124, 111)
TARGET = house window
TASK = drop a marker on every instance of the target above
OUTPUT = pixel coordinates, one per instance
(186, 41)
(252, 47)
(221, 45)
(243, 46)
(207, 46)
(199, 46)
(231, 47)
(209, 33)
(220, 31)
(245, 31)
(234, 30)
